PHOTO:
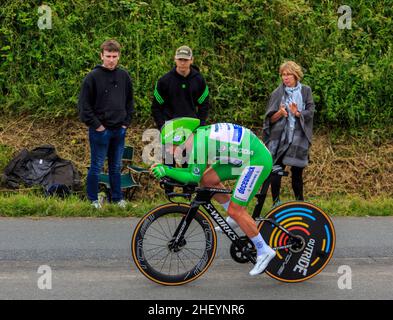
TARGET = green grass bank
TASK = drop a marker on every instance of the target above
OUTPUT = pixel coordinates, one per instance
(30, 205)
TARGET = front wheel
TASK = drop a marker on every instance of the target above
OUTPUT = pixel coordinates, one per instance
(158, 260)
(313, 245)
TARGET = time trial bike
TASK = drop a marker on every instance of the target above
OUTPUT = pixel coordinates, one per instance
(175, 243)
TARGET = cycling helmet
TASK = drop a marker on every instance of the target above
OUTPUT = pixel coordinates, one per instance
(178, 130)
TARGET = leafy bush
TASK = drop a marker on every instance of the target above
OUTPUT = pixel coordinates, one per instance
(238, 46)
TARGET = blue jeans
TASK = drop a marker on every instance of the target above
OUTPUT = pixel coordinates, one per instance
(109, 142)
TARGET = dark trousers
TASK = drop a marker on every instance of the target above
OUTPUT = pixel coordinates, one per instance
(297, 183)
(108, 143)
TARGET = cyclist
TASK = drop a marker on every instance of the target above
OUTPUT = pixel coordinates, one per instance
(216, 153)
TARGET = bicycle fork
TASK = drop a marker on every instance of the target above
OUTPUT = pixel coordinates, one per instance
(178, 241)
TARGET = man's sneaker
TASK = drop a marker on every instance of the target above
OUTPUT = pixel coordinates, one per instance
(233, 224)
(96, 204)
(122, 204)
(263, 261)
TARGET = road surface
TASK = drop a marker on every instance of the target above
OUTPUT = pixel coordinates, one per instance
(90, 259)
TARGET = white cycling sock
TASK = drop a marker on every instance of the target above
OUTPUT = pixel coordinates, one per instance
(259, 244)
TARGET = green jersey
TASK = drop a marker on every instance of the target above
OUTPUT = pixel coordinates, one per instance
(234, 152)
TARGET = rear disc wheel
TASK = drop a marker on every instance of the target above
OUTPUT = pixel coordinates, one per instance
(310, 255)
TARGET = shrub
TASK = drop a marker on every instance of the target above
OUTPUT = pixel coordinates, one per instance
(238, 46)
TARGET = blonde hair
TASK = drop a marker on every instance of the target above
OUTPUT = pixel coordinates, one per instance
(293, 68)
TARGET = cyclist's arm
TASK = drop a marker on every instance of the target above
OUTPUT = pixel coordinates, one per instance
(184, 175)
(192, 174)
(196, 167)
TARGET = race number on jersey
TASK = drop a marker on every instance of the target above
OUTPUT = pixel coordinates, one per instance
(227, 132)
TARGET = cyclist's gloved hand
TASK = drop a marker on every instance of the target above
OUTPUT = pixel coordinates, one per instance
(158, 171)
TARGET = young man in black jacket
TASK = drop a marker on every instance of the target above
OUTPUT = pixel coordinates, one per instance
(182, 92)
(106, 106)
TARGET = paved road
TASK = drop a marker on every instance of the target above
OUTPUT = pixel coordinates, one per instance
(90, 259)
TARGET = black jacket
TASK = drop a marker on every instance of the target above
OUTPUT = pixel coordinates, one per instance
(178, 96)
(106, 98)
(41, 166)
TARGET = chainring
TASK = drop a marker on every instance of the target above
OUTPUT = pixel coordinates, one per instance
(238, 255)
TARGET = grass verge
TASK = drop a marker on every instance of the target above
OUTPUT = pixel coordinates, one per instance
(30, 205)
(73, 206)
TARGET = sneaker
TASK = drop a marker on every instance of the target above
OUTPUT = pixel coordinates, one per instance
(96, 204)
(263, 261)
(122, 204)
(232, 223)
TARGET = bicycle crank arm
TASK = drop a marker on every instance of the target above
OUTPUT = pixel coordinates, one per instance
(289, 246)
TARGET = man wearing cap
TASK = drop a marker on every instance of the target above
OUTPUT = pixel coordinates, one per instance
(182, 92)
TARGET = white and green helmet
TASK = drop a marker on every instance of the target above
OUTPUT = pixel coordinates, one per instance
(178, 130)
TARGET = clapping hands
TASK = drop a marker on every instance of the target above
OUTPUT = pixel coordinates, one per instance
(283, 112)
(293, 108)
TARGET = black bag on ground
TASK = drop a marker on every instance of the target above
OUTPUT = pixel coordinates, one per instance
(41, 166)
(59, 190)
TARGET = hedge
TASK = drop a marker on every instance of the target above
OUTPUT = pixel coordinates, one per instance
(238, 46)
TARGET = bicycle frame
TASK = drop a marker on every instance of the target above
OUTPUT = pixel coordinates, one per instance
(203, 198)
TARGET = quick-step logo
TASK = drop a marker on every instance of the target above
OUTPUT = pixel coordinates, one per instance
(247, 182)
(247, 178)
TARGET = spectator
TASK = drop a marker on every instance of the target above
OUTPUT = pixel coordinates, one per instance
(288, 128)
(182, 92)
(105, 106)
